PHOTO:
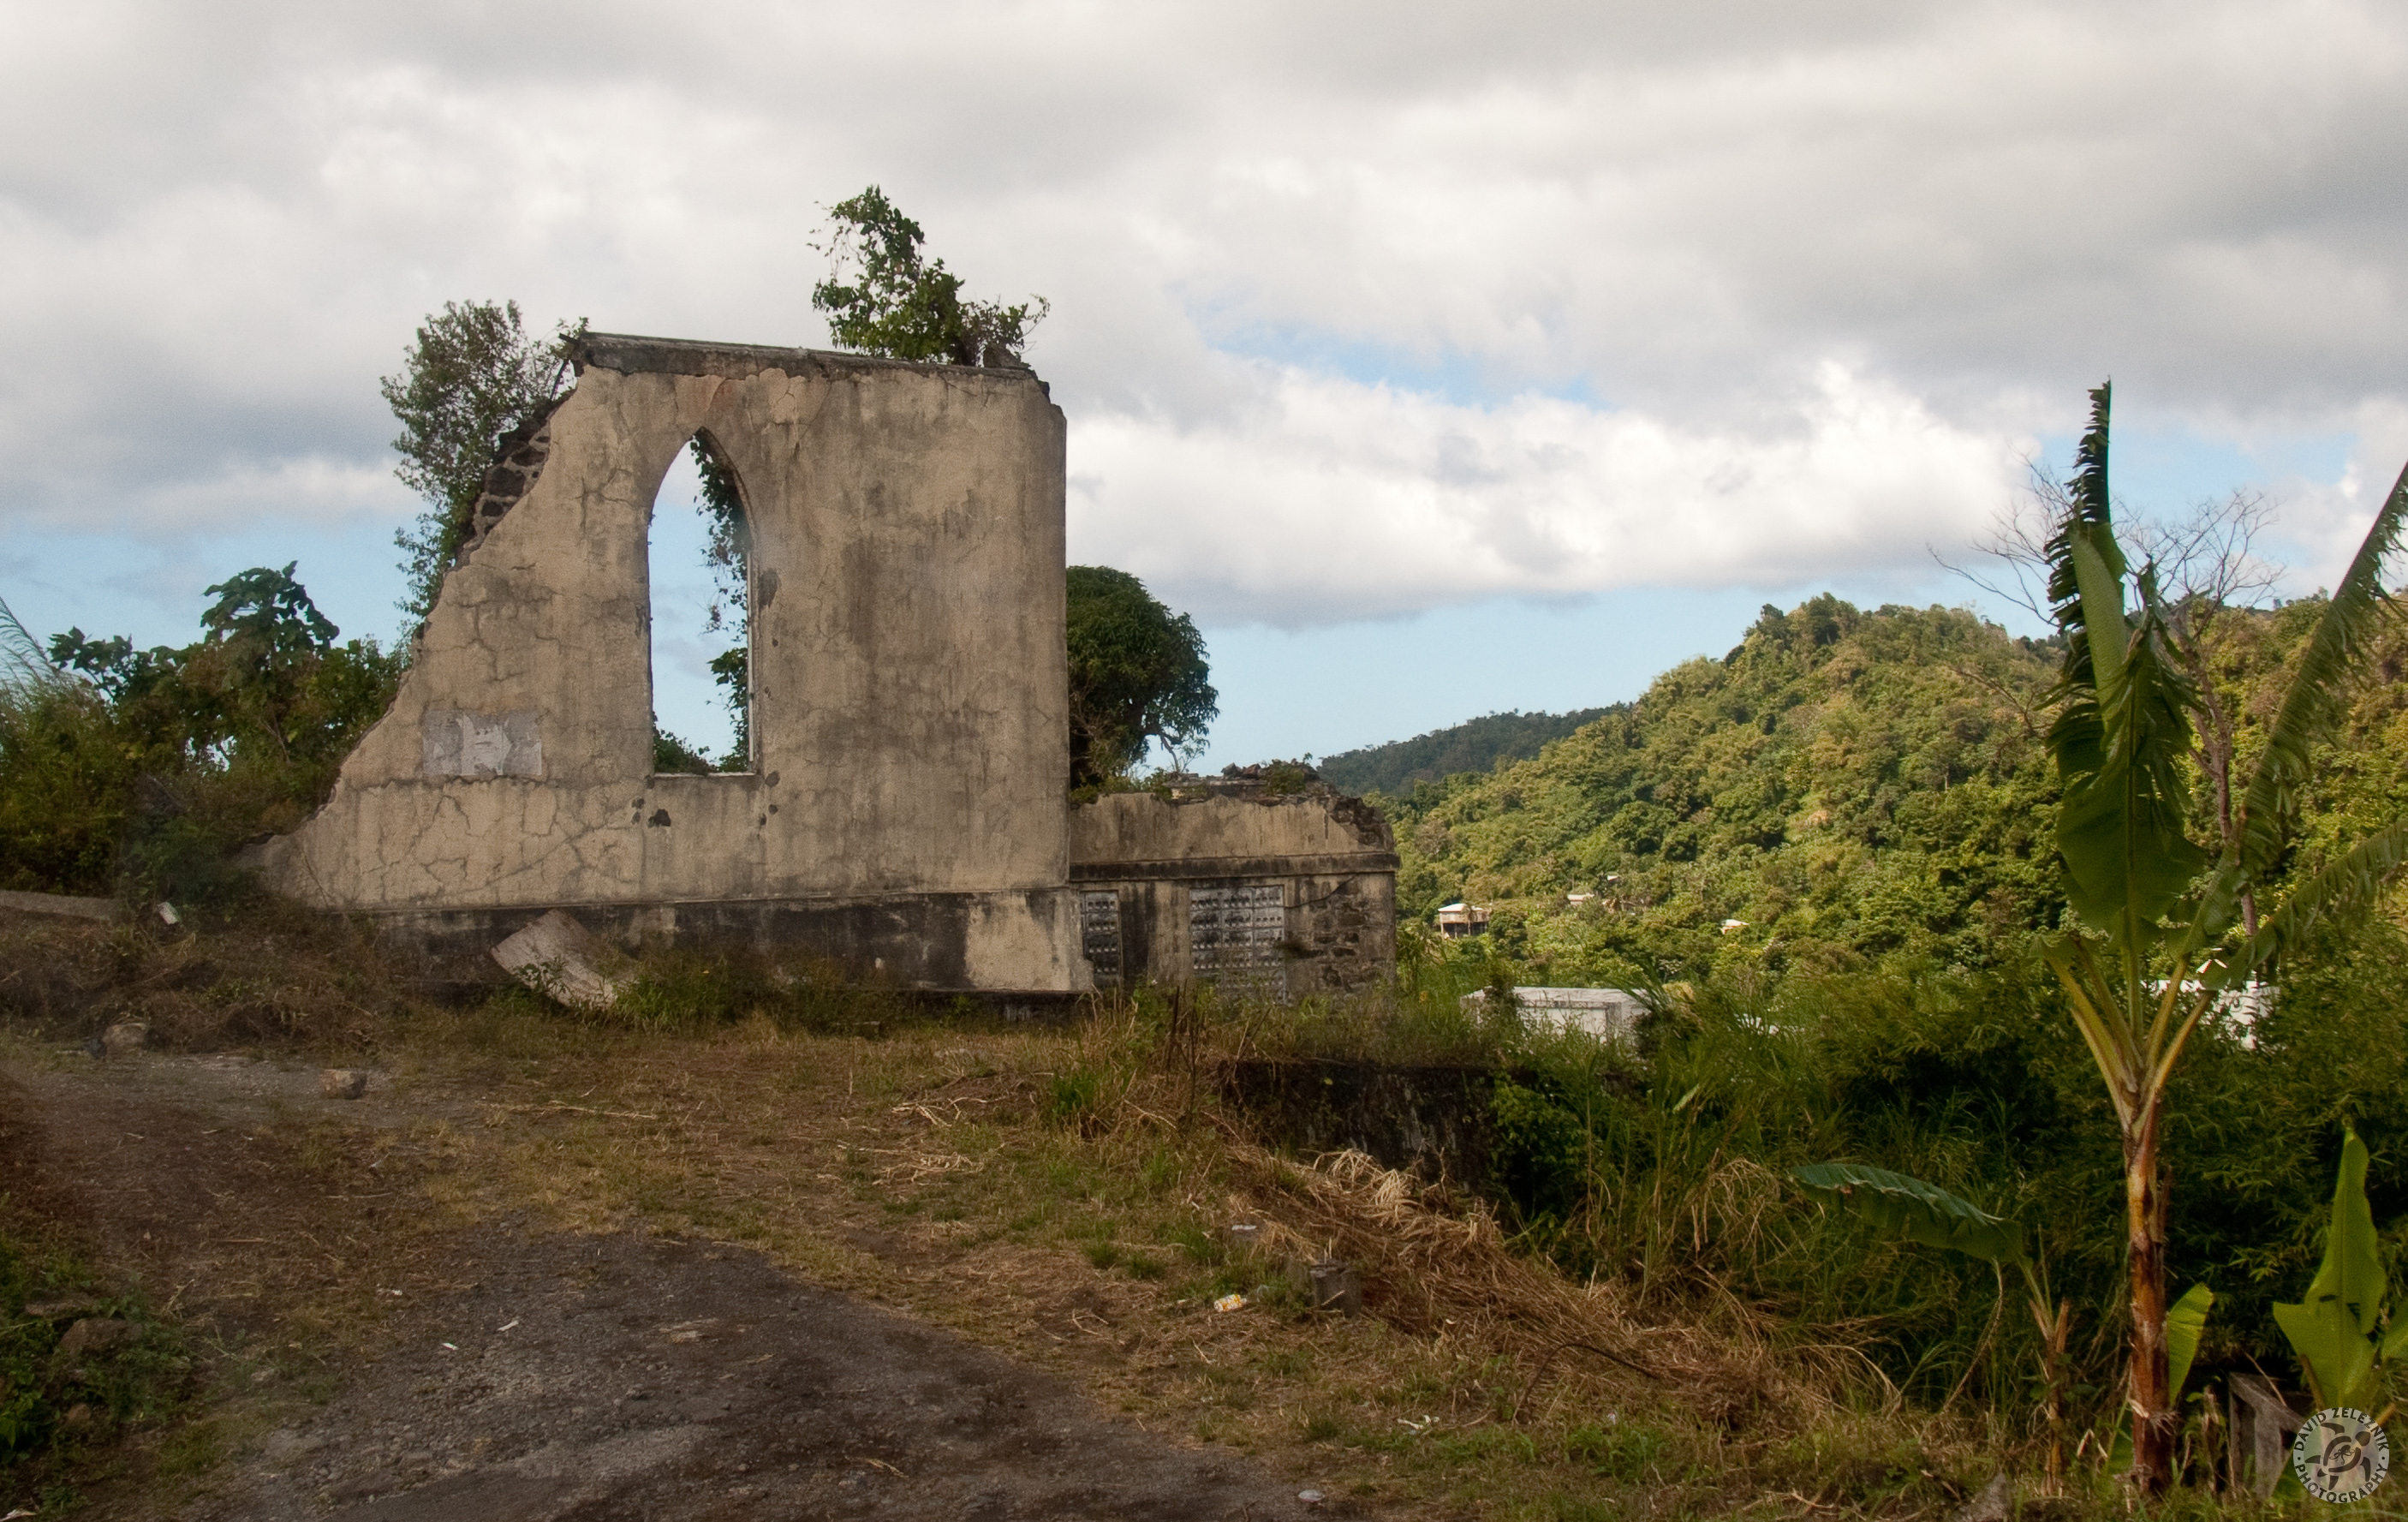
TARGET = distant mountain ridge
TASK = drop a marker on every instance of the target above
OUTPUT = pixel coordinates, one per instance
(1474, 745)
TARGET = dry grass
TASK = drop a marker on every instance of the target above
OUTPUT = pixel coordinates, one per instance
(1062, 1196)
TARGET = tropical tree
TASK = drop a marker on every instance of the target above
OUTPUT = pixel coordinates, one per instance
(2156, 937)
(882, 297)
(1138, 675)
(472, 374)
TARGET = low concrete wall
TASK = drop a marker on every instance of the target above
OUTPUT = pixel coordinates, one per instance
(1276, 892)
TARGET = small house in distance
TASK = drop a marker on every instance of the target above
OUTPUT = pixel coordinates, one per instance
(1458, 919)
(1608, 1014)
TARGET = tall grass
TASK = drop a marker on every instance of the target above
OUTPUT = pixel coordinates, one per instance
(1664, 1164)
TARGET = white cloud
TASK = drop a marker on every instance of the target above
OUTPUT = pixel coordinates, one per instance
(1318, 271)
(1334, 501)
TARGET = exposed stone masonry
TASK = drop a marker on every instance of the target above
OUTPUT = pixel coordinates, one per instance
(519, 458)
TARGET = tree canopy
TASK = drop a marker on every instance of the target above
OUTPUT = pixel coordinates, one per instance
(151, 764)
(471, 375)
(884, 297)
(1138, 675)
(1473, 745)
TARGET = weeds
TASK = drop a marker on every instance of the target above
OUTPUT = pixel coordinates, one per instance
(80, 1363)
(1635, 1315)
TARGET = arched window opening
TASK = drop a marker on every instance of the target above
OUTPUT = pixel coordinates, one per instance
(699, 549)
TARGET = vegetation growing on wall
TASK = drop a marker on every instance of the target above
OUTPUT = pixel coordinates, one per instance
(472, 374)
(883, 297)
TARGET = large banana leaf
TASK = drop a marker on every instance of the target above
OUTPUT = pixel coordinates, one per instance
(2120, 738)
(2333, 1329)
(2339, 1360)
(2338, 890)
(1917, 1212)
(2319, 694)
(2185, 1323)
(2352, 1272)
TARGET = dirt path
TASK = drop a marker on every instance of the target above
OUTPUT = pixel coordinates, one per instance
(592, 1377)
(399, 1362)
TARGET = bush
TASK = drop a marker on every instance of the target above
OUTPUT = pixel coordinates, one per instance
(145, 770)
(1673, 1173)
(66, 791)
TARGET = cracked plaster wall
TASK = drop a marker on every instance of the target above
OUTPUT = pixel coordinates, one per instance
(908, 662)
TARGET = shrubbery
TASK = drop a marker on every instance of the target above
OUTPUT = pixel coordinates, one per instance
(141, 771)
(57, 1396)
(1670, 1169)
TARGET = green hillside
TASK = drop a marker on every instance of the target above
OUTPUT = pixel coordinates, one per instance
(1854, 787)
(1474, 745)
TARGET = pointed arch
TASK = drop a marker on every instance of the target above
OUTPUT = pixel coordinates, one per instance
(718, 632)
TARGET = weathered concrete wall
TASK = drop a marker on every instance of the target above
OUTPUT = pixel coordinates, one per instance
(1285, 894)
(909, 679)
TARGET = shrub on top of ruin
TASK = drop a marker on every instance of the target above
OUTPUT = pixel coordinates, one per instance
(882, 297)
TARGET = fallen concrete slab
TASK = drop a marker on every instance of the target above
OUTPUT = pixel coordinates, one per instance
(62, 903)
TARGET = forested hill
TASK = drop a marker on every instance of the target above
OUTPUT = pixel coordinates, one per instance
(1853, 786)
(1475, 745)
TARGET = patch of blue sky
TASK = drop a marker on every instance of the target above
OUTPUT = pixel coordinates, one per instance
(1453, 377)
(1322, 691)
(152, 589)
(2165, 472)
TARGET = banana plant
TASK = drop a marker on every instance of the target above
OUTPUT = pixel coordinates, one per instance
(1910, 1210)
(2340, 1330)
(2155, 931)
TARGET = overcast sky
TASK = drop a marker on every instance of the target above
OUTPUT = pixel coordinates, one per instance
(1438, 359)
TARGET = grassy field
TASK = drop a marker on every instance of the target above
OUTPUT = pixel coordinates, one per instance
(1062, 1195)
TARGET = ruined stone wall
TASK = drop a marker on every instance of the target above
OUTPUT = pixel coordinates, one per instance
(908, 664)
(1280, 894)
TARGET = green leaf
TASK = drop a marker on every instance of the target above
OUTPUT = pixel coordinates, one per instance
(2318, 695)
(2331, 1331)
(2120, 832)
(2186, 1320)
(1917, 1212)
(2396, 1342)
(2340, 1360)
(2336, 891)
(2352, 1272)
(2123, 732)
